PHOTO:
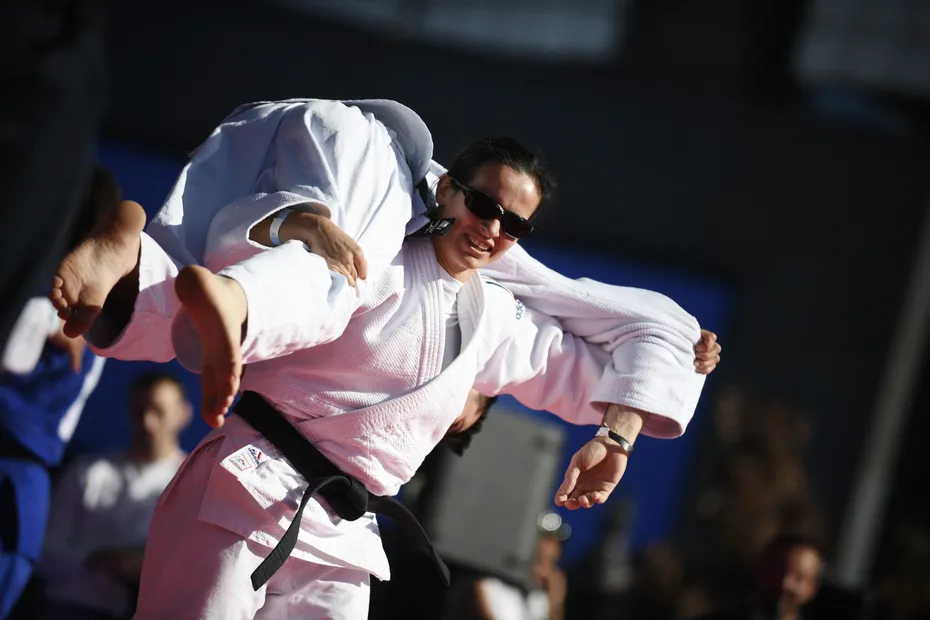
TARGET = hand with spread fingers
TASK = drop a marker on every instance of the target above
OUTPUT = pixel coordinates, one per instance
(594, 472)
(320, 234)
(340, 251)
(596, 469)
(707, 353)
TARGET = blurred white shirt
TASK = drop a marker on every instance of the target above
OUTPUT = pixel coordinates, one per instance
(36, 323)
(506, 602)
(100, 503)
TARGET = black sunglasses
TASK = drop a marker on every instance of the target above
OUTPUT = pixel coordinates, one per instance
(486, 208)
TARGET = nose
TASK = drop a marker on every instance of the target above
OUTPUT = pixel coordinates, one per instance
(491, 227)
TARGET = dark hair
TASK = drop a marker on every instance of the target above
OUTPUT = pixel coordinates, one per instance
(459, 441)
(783, 543)
(147, 380)
(505, 152)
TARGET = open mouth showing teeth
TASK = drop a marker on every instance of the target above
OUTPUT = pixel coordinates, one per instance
(477, 246)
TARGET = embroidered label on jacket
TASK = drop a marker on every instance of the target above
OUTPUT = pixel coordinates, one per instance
(249, 457)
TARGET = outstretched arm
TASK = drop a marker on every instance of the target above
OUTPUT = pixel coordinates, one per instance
(546, 368)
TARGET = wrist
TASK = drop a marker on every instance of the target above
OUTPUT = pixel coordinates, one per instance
(297, 225)
(624, 421)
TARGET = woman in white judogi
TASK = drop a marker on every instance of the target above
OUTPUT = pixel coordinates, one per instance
(374, 401)
(336, 432)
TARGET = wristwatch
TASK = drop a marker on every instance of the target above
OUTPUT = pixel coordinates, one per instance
(606, 432)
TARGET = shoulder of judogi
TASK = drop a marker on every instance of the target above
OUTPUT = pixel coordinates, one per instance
(499, 296)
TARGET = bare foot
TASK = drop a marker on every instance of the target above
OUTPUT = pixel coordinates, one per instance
(217, 308)
(89, 272)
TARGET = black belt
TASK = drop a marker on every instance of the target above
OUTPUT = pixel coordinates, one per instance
(346, 495)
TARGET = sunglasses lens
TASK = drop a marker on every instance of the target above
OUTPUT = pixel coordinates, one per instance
(515, 226)
(485, 208)
(482, 206)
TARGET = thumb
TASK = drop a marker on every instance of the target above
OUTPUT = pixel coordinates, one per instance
(568, 484)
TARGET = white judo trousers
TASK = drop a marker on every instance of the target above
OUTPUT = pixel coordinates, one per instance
(216, 564)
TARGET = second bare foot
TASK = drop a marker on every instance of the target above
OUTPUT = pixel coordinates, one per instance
(216, 306)
(90, 271)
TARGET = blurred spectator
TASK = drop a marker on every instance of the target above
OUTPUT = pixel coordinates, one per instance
(102, 508)
(45, 381)
(662, 586)
(788, 577)
(904, 586)
(761, 489)
(491, 598)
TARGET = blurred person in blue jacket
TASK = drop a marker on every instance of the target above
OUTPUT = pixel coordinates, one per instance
(45, 381)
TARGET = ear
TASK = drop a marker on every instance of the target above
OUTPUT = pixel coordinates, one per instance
(444, 190)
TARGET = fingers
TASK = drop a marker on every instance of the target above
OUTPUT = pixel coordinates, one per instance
(344, 270)
(586, 500)
(708, 341)
(705, 366)
(361, 265)
(568, 485)
(707, 353)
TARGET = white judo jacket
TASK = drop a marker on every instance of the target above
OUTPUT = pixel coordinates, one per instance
(376, 401)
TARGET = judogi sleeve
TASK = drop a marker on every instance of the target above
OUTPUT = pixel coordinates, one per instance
(650, 338)
(147, 335)
(547, 368)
